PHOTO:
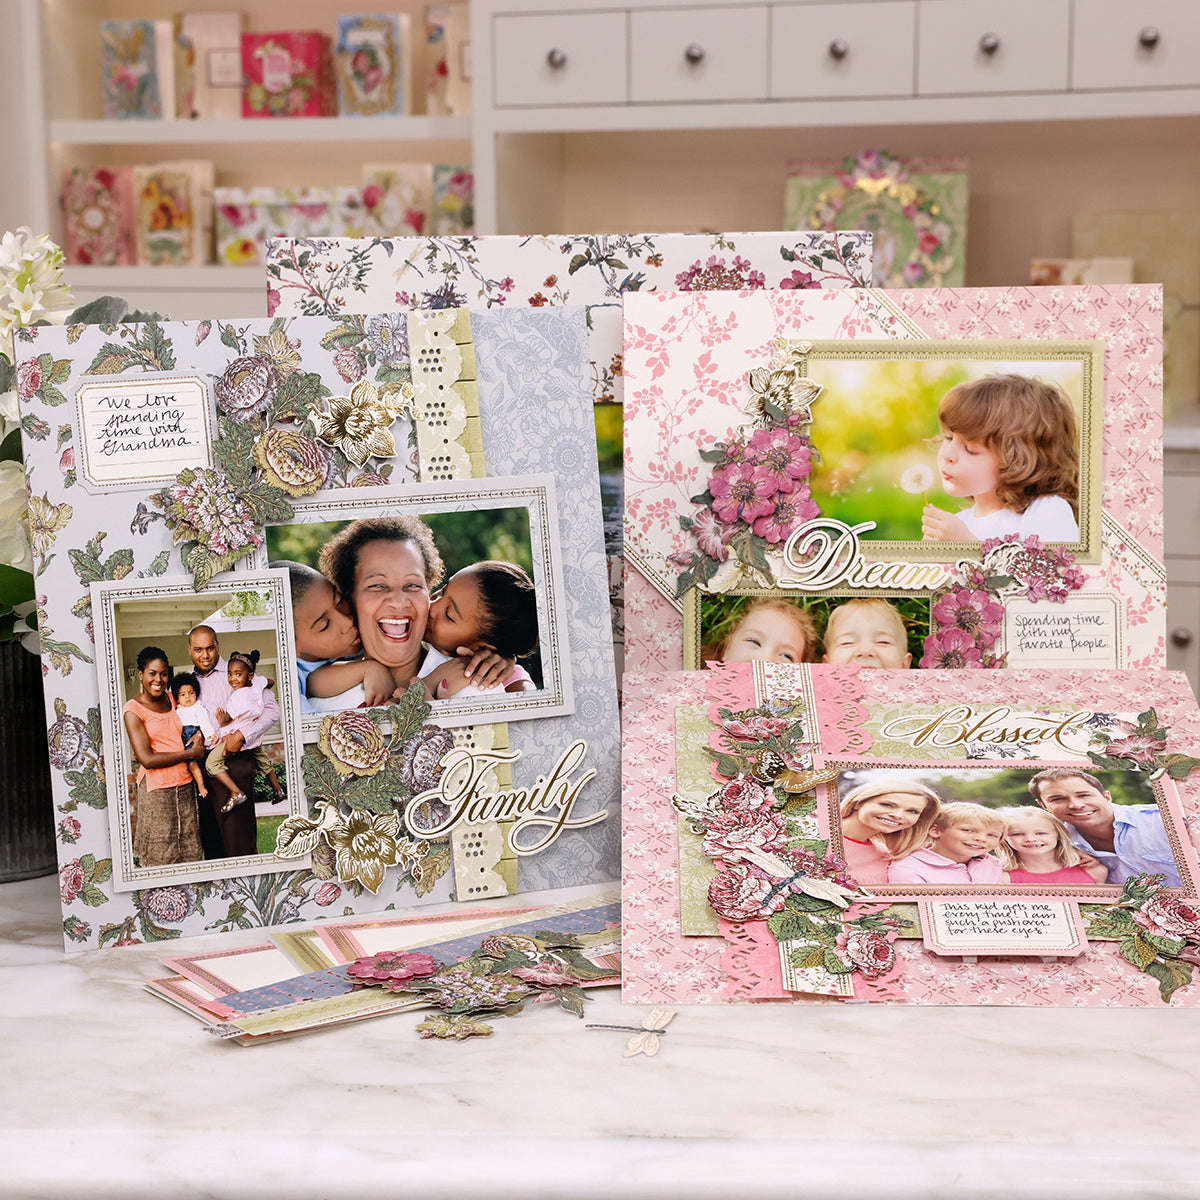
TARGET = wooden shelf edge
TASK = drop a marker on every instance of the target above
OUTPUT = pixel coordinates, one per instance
(296, 129)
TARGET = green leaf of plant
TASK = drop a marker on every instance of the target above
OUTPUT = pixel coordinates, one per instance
(104, 310)
(16, 587)
(10, 448)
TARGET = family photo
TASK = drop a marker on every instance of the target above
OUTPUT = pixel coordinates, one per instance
(952, 449)
(201, 712)
(381, 601)
(869, 631)
(1055, 827)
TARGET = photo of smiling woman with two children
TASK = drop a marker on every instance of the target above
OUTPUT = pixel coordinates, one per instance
(1055, 827)
(447, 598)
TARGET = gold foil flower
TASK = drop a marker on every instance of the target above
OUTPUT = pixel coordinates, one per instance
(353, 743)
(46, 521)
(358, 425)
(290, 461)
(366, 846)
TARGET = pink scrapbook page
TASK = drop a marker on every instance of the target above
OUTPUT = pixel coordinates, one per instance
(820, 833)
(926, 479)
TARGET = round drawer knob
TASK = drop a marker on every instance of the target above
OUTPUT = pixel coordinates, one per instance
(839, 48)
(989, 44)
(1149, 37)
(694, 54)
(1181, 637)
(556, 59)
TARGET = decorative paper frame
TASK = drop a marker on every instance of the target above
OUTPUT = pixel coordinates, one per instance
(535, 494)
(688, 364)
(671, 717)
(484, 412)
(107, 598)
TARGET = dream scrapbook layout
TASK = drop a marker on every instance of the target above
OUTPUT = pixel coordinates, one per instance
(926, 479)
(825, 833)
(323, 615)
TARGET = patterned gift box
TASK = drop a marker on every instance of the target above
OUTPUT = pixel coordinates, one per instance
(246, 217)
(374, 64)
(288, 74)
(97, 205)
(398, 198)
(214, 40)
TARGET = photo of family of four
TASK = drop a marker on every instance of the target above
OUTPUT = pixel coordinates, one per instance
(1071, 832)
(374, 615)
(197, 741)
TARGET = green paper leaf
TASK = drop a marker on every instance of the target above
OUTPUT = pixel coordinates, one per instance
(92, 896)
(570, 999)
(808, 957)
(111, 359)
(1138, 951)
(835, 966)
(433, 866)
(1171, 976)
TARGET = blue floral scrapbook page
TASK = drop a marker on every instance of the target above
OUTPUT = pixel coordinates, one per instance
(307, 638)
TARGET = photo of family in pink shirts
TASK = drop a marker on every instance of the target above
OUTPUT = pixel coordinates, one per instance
(1060, 826)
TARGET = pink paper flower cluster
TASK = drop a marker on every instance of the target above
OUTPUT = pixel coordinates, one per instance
(763, 483)
(967, 619)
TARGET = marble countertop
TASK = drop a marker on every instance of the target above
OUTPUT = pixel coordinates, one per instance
(109, 1092)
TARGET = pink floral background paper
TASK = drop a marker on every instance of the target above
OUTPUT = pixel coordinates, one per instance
(663, 967)
(687, 357)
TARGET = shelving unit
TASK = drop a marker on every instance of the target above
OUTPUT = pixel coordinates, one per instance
(628, 115)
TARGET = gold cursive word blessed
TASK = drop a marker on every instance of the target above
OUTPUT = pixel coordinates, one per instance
(964, 724)
(547, 804)
(824, 553)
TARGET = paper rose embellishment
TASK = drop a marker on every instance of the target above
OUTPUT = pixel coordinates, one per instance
(353, 743)
(359, 425)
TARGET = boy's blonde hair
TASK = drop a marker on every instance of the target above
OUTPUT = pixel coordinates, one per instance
(804, 623)
(1029, 426)
(966, 810)
(1065, 854)
(902, 841)
(870, 603)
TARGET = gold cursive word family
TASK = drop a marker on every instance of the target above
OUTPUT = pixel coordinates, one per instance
(459, 799)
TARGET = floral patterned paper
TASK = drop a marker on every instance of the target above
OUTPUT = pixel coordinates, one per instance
(663, 966)
(534, 400)
(690, 363)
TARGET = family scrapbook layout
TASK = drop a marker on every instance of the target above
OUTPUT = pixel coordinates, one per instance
(903, 479)
(829, 834)
(323, 614)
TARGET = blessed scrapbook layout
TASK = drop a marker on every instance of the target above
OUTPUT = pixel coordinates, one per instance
(306, 632)
(813, 833)
(934, 479)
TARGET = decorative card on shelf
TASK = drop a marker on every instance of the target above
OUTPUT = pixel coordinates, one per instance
(138, 61)
(938, 479)
(410, 462)
(247, 217)
(448, 35)
(331, 277)
(374, 64)
(1165, 248)
(97, 205)
(398, 198)
(288, 74)
(215, 39)
(915, 207)
(173, 218)
(818, 833)
(453, 201)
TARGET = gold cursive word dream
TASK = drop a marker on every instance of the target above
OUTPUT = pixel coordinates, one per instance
(548, 803)
(824, 553)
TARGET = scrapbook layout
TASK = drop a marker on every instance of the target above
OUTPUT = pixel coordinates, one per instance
(934, 479)
(824, 833)
(305, 629)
